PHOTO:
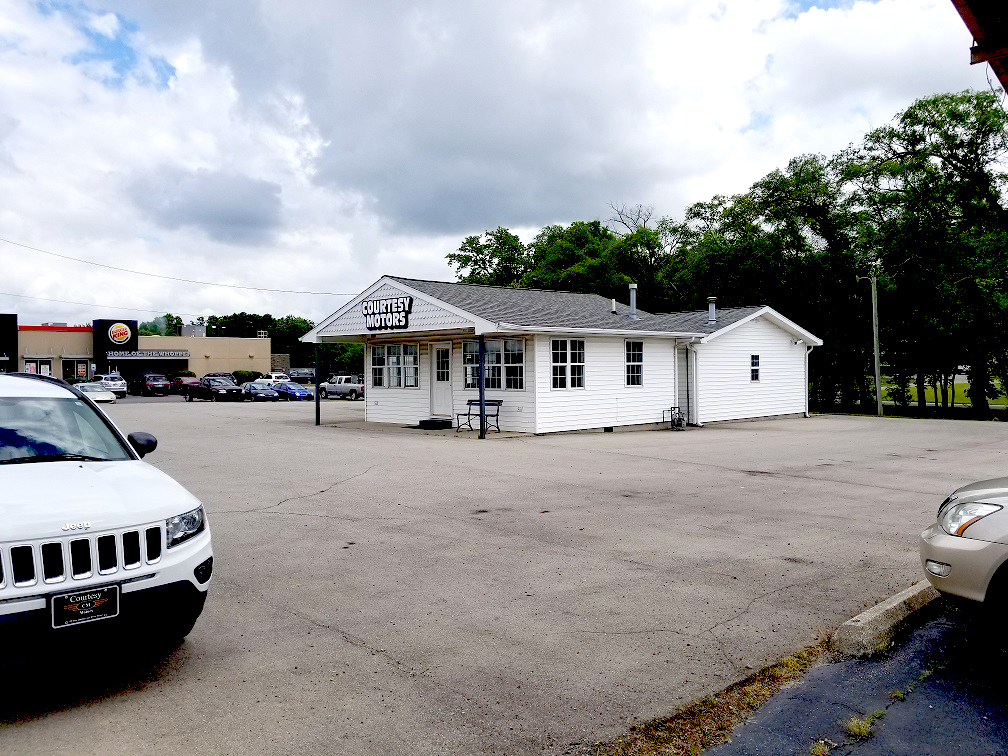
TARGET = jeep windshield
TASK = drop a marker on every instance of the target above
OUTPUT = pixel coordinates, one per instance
(37, 429)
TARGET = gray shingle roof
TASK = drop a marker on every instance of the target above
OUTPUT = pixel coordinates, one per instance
(537, 308)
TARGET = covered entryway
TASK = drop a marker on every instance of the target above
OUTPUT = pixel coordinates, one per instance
(441, 387)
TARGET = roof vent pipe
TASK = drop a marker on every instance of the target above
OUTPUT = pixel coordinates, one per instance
(633, 301)
(614, 306)
(711, 311)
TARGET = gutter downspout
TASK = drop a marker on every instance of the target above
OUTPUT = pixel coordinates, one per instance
(808, 350)
(689, 403)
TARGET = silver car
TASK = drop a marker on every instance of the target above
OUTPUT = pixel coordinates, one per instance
(96, 392)
(113, 382)
(965, 553)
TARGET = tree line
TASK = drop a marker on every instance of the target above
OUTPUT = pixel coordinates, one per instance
(284, 333)
(917, 204)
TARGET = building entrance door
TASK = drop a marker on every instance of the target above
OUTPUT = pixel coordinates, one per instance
(441, 387)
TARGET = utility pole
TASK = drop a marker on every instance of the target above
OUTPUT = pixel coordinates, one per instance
(874, 313)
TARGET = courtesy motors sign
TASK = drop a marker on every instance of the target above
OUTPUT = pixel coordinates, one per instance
(388, 313)
(119, 333)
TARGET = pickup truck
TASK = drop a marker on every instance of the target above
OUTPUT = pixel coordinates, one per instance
(342, 386)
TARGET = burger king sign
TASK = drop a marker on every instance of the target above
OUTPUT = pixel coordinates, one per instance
(119, 333)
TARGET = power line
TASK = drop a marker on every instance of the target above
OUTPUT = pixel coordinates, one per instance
(91, 304)
(172, 278)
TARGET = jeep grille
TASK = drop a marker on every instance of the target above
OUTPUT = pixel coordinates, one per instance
(53, 560)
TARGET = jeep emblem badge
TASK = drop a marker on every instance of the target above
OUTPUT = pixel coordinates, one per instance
(77, 526)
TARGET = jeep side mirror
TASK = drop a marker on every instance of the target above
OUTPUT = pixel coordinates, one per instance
(143, 443)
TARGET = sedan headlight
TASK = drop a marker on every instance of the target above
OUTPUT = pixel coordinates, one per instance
(184, 526)
(957, 517)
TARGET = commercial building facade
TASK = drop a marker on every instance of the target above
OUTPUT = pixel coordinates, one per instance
(560, 361)
(79, 352)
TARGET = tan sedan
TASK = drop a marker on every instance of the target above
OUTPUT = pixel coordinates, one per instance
(965, 553)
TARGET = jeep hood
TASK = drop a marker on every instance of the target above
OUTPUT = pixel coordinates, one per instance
(39, 498)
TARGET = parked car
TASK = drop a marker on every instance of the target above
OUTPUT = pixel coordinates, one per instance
(290, 391)
(343, 387)
(302, 375)
(128, 552)
(229, 376)
(214, 389)
(178, 385)
(259, 392)
(274, 376)
(113, 382)
(151, 384)
(965, 552)
(97, 392)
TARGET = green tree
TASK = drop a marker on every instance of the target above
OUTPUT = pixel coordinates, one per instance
(498, 258)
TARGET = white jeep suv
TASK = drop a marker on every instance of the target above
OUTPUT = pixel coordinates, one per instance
(90, 535)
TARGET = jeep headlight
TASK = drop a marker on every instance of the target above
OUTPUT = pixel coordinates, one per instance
(181, 528)
(957, 517)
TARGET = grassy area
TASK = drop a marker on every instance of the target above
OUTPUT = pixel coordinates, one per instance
(960, 396)
(710, 721)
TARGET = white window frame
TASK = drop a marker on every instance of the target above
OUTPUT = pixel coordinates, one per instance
(378, 371)
(411, 368)
(754, 368)
(406, 365)
(495, 372)
(627, 363)
(568, 364)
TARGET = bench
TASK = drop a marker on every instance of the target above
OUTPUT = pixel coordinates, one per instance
(473, 410)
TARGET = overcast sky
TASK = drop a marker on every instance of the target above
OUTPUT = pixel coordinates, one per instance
(317, 145)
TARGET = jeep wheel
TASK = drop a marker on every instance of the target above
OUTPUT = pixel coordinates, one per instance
(353, 396)
(323, 394)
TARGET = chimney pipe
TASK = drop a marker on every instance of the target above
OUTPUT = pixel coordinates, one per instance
(711, 311)
(633, 301)
(614, 306)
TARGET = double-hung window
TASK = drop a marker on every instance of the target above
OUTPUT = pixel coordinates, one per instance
(395, 365)
(635, 363)
(470, 363)
(378, 366)
(567, 357)
(503, 366)
(514, 364)
(411, 365)
(393, 356)
(754, 367)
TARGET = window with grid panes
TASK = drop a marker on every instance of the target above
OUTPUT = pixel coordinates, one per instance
(393, 359)
(470, 362)
(378, 366)
(514, 364)
(411, 365)
(443, 366)
(754, 367)
(567, 357)
(634, 363)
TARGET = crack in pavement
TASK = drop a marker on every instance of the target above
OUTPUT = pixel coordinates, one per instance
(293, 498)
(348, 637)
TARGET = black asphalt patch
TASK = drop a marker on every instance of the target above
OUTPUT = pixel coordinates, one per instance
(941, 688)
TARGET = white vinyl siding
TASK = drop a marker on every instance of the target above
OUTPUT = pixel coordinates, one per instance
(606, 400)
(407, 406)
(404, 405)
(727, 390)
(517, 413)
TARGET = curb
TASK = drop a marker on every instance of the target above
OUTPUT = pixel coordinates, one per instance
(874, 628)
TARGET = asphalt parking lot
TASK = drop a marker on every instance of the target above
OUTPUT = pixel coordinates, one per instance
(387, 590)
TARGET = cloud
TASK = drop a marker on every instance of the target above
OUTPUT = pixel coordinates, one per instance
(356, 140)
(229, 208)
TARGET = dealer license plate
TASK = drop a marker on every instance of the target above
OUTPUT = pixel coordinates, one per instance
(86, 605)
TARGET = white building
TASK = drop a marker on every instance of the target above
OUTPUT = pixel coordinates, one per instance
(560, 361)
